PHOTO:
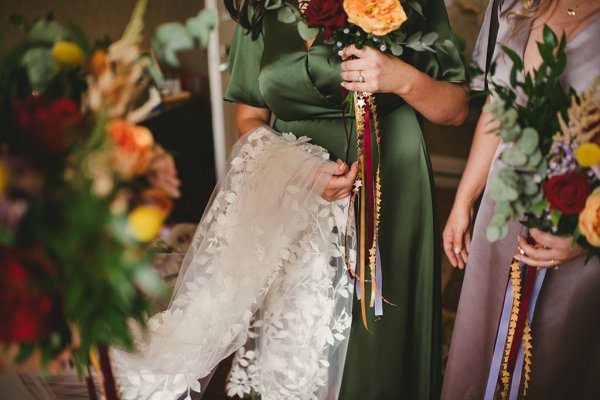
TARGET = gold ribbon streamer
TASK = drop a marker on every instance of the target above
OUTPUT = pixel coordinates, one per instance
(515, 279)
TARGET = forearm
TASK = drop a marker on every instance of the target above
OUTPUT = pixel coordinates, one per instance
(481, 155)
(440, 102)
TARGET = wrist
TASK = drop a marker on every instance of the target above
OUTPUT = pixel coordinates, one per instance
(407, 75)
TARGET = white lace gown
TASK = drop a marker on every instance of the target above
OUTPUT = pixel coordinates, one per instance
(264, 277)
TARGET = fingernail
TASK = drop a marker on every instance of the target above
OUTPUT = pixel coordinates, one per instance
(516, 257)
(456, 250)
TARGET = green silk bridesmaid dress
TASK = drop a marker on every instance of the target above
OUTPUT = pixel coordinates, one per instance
(400, 358)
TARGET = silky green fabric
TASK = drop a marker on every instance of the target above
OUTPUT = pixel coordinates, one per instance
(400, 358)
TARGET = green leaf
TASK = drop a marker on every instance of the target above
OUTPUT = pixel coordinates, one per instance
(273, 4)
(503, 208)
(416, 46)
(501, 192)
(530, 188)
(286, 15)
(417, 7)
(492, 233)
(305, 32)
(200, 26)
(396, 49)
(45, 31)
(529, 140)
(511, 134)
(40, 66)
(169, 38)
(555, 217)
(430, 38)
(549, 36)
(540, 205)
(414, 38)
(514, 157)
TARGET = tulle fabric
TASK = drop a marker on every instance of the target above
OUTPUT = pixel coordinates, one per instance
(264, 277)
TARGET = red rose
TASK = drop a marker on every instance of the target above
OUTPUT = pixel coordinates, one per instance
(567, 192)
(27, 312)
(45, 122)
(328, 14)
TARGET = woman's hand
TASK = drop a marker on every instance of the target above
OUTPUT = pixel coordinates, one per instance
(457, 235)
(379, 71)
(553, 250)
(340, 184)
(372, 71)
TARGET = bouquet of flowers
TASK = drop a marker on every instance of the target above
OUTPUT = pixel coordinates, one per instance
(83, 188)
(379, 24)
(549, 180)
(552, 155)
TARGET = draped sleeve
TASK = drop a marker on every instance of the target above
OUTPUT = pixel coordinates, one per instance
(244, 64)
(480, 50)
(446, 63)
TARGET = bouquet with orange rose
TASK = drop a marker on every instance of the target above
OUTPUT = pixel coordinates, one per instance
(83, 189)
(389, 26)
(553, 157)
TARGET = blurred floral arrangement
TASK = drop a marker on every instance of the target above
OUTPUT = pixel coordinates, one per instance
(553, 155)
(83, 187)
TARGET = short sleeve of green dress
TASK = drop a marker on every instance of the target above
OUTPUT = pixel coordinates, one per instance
(401, 357)
(244, 66)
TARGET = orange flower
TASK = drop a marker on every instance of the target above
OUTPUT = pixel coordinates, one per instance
(589, 219)
(98, 64)
(378, 17)
(133, 148)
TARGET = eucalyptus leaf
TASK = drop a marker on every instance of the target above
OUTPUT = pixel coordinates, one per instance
(501, 192)
(169, 38)
(396, 49)
(201, 25)
(46, 31)
(40, 66)
(519, 209)
(503, 208)
(273, 4)
(417, 7)
(430, 38)
(514, 157)
(305, 32)
(416, 46)
(492, 233)
(511, 134)
(530, 188)
(529, 140)
(414, 38)
(286, 15)
(534, 159)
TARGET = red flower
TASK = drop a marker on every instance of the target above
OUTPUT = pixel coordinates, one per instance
(26, 312)
(45, 122)
(567, 192)
(328, 14)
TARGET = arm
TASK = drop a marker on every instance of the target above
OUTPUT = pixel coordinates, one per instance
(248, 117)
(439, 101)
(456, 232)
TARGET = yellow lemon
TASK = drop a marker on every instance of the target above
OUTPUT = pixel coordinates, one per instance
(588, 154)
(145, 221)
(67, 53)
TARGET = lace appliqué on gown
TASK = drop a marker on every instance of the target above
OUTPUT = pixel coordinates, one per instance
(264, 276)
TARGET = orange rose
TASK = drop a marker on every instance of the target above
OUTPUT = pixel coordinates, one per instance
(133, 148)
(378, 17)
(589, 219)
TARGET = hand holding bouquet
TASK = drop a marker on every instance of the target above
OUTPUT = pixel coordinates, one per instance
(552, 156)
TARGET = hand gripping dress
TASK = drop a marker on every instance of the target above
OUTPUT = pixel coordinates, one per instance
(566, 344)
(400, 359)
